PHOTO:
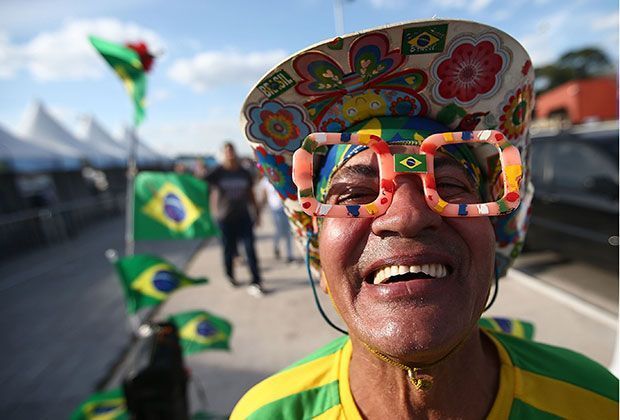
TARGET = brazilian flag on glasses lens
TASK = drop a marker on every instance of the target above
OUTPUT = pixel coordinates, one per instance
(148, 280)
(171, 206)
(200, 330)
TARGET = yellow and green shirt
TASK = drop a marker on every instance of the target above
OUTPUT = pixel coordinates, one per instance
(537, 381)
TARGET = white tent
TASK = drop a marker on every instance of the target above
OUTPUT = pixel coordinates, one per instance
(23, 156)
(45, 131)
(144, 155)
(94, 135)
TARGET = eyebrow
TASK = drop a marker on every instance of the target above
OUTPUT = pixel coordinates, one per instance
(353, 170)
(366, 171)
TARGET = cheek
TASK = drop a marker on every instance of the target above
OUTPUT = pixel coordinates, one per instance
(341, 242)
(479, 237)
(338, 237)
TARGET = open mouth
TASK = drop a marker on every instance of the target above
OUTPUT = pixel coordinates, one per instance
(396, 273)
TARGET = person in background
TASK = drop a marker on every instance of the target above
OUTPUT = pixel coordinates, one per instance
(180, 168)
(200, 168)
(408, 145)
(236, 211)
(268, 196)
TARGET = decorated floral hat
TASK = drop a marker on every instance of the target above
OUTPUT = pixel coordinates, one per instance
(463, 75)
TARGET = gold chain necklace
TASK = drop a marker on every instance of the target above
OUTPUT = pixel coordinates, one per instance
(412, 373)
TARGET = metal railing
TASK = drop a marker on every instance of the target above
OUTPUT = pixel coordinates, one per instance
(33, 228)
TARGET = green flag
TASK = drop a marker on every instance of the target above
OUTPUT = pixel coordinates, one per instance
(106, 405)
(171, 206)
(200, 330)
(127, 63)
(148, 280)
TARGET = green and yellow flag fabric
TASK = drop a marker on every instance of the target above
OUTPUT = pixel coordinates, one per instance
(127, 64)
(171, 206)
(517, 327)
(200, 330)
(148, 280)
(106, 405)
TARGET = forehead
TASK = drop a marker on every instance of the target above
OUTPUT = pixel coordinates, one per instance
(368, 157)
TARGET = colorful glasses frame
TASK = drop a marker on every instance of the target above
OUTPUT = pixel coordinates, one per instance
(389, 167)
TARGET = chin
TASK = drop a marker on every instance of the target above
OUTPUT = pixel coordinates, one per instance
(422, 340)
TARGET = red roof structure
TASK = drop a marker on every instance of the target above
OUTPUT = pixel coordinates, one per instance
(580, 101)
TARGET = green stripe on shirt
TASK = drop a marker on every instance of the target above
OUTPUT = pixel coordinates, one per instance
(521, 410)
(552, 362)
(303, 405)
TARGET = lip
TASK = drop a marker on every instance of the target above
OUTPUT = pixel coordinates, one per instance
(416, 288)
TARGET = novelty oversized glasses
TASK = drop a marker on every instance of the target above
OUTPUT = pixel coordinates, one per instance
(449, 187)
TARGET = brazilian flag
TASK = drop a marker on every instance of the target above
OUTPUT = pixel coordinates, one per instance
(106, 405)
(171, 206)
(516, 327)
(128, 66)
(148, 280)
(200, 330)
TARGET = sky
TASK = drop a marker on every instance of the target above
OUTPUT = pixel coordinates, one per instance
(211, 53)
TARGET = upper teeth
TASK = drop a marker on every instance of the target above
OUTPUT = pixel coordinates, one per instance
(433, 270)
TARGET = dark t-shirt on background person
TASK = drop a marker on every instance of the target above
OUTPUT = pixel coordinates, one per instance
(232, 189)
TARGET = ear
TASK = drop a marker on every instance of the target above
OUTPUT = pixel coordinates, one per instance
(323, 283)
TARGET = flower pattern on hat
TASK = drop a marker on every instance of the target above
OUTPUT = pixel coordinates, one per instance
(471, 69)
(280, 127)
(516, 112)
(373, 86)
(278, 172)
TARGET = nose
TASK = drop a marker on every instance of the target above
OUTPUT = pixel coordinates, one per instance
(408, 214)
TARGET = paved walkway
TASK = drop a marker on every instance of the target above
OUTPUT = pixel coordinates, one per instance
(278, 329)
(63, 320)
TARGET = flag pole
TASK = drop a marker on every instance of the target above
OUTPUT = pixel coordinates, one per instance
(132, 169)
(338, 17)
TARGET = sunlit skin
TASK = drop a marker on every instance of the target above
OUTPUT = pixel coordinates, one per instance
(415, 322)
(230, 160)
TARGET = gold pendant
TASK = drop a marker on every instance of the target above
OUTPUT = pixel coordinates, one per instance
(418, 383)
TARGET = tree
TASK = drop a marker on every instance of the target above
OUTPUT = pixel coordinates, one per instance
(578, 64)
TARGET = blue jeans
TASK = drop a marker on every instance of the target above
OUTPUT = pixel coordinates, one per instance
(283, 231)
(234, 231)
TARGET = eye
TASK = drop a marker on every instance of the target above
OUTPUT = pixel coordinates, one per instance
(351, 112)
(375, 105)
(453, 189)
(343, 194)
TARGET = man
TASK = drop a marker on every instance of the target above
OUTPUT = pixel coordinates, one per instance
(233, 196)
(410, 218)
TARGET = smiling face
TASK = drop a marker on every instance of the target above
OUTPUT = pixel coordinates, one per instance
(409, 283)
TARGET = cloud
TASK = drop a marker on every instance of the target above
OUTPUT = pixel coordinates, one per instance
(605, 22)
(196, 137)
(212, 69)
(66, 54)
(472, 6)
(388, 4)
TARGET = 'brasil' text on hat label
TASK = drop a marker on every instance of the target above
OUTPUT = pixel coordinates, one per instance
(276, 84)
